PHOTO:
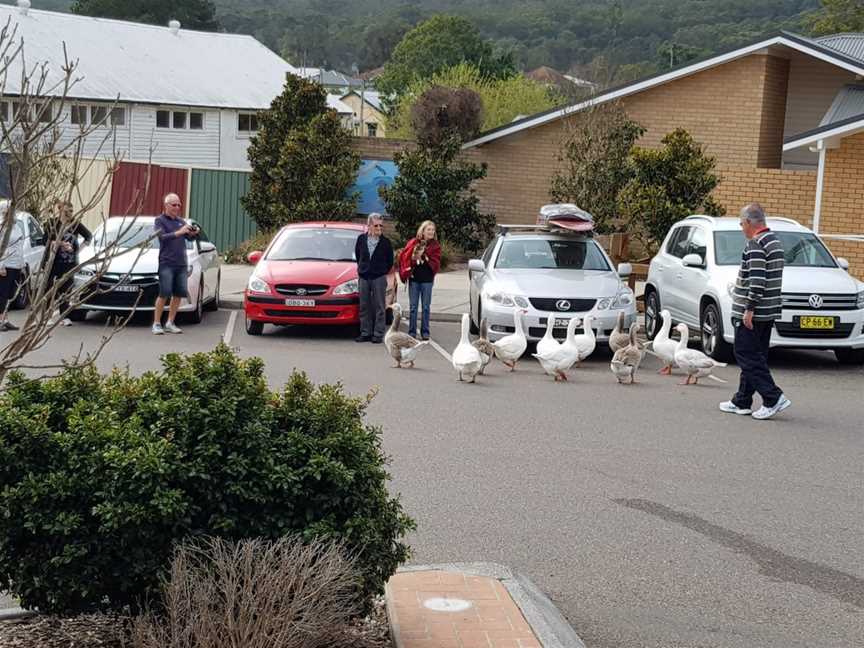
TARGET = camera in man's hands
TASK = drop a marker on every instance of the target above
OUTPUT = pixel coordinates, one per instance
(194, 227)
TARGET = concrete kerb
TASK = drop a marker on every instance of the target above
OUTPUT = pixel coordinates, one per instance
(12, 614)
(548, 624)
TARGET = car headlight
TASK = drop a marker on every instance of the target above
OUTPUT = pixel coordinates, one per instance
(258, 285)
(84, 274)
(347, 288)
(622, 300)
(509, 300)
(860, 303)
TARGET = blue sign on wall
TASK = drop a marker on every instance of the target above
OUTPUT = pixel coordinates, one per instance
(372, 175)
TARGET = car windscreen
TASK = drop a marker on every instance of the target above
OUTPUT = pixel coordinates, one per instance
(551, 254)
(128, 234)
(800, 249)
(314, 244)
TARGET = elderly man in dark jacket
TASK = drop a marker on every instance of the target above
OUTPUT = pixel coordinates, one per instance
(374, 255)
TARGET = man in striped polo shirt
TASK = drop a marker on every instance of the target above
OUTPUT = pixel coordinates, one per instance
(757, 302)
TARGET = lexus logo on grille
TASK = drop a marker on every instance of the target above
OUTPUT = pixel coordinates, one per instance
(815, 301)
(562, 305)
(301, 291)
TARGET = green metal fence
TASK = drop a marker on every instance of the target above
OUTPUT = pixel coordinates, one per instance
(214, 202)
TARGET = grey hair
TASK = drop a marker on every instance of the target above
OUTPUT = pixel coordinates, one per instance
(373, 217)
(169, 195)
(753, 214)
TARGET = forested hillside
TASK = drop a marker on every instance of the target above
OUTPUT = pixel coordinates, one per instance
(565, 34)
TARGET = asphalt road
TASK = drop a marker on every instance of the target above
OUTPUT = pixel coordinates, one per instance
(649, 517)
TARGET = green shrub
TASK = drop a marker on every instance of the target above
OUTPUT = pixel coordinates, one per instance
(101, 476)
(259, 241)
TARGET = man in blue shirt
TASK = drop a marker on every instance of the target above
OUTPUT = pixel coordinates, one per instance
(173, 232)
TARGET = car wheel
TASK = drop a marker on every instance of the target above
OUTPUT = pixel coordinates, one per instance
(652, 315)
(78, 315)
(475, 326)
(713, 343)
(213, 304)
(197, 315)
(850, 356)
(254, 327)
(22, 291)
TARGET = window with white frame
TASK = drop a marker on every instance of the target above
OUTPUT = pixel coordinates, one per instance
(78, 115)
(98, 115)
(247, 123)
(118, 116)
(179, 120)
(371, 129)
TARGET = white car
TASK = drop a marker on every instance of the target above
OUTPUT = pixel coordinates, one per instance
(34, 250)
(131, 280)
(693, 275)
(548, 273)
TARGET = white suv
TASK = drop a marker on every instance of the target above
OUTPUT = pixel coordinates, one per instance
(693, 275)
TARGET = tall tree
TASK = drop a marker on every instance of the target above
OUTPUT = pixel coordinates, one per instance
(436, 44)
(837, 16)
(192, 14)
(302, 160)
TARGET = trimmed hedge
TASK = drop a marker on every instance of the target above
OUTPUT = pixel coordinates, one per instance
(102, 475)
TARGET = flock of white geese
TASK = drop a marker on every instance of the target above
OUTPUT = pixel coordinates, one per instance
(470, 358)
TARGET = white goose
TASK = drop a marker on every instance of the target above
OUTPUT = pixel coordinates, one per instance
(484, 346)
(663, 346)
(694, 363)
(466, 358)
(402, 347)
(557, 361)
(511, 347)
(548, 343)
(585, 342)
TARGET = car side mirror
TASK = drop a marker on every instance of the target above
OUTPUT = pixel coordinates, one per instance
(843, 263)
(254, 257)
(693, 261)
(40, 240)
(476, 265)
(207, 246)
(625, 270)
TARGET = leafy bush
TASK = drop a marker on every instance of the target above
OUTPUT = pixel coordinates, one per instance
(101, 476)
(503, 100)
(302, 160)
(255, 594)
(667, 184)
(433, 184)
(259, 241)
(442, 112)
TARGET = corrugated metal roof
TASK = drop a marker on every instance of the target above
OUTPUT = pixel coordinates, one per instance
(371, 97)
(336, 103)
(849, 102)
(850, 44)
(148, 63)
(329, 77)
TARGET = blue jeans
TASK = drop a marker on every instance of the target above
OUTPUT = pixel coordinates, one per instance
(416, 292)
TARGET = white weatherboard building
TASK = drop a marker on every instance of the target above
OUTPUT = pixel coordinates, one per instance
(190, 96)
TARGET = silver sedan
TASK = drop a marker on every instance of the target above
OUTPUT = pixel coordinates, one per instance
(548, 274)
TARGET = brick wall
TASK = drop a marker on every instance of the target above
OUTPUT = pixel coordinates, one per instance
(774, 91)
(843, 200)
(781, 193)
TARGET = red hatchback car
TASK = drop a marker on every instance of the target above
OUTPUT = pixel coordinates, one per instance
(307, 275)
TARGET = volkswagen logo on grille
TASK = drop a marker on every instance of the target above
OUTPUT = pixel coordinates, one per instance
(815, 301)
(562, 305)
(301, 291)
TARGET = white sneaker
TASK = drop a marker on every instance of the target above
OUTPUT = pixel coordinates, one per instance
(731, 408)
(171, 327)
(767, 412)
(157, 329)
(66, 322)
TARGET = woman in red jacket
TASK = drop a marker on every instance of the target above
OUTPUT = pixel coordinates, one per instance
(419, 262)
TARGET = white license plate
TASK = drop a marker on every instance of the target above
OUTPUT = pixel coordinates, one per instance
(310, 303)
(126, 288)
(562, 322)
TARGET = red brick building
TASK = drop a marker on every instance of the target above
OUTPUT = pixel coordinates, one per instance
(784, 117)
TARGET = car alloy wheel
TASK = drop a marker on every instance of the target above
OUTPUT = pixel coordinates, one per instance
(652, 315)
(711, 331)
